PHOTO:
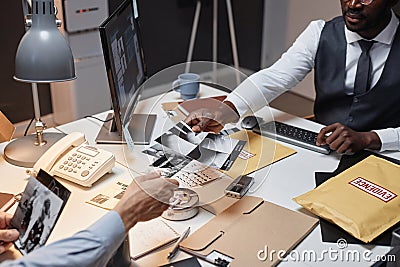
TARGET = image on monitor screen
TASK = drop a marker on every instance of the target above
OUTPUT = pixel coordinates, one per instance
(125, 66)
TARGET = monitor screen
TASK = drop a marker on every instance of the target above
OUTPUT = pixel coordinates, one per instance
(123, 56)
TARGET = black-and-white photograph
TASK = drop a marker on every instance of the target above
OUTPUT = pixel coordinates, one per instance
(176, 143)
(217, 151)
(36, 214)
(210, 157)
(167, 160)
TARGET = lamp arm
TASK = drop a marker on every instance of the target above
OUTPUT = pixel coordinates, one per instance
(39, 125)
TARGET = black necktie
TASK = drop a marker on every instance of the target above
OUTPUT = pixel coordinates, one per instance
(363, 74)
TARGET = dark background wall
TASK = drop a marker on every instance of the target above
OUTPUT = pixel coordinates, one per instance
(16, 97)
(166, 28)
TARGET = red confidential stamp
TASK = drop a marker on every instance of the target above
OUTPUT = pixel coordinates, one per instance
(373, 189)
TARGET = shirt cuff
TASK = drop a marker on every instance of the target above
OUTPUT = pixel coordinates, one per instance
(389, 138)
(111, 218)
(240, 105)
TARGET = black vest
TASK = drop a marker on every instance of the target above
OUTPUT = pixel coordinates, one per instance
(378, 108)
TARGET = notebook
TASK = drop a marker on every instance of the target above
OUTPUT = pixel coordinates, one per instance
(146, 237)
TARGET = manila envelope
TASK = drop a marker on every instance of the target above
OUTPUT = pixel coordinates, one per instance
(363, 200)
(258, 153)
(247, 227)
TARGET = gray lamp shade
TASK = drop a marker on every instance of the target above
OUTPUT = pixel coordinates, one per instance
(43, 54)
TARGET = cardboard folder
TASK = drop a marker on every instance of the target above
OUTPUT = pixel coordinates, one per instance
(247, 227)
(7, 129)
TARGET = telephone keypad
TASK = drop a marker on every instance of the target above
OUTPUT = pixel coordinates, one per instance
(75, 163)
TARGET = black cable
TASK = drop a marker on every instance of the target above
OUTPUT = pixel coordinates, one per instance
(29, 125)
(98, 118)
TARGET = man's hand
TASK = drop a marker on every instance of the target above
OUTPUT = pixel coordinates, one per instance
(6, 235)
(145, 199)
(343, 139)
(212, 117)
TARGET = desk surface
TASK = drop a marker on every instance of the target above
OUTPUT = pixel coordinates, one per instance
(284, 180)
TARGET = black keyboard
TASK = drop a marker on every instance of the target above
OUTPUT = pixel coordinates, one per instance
(292, 135)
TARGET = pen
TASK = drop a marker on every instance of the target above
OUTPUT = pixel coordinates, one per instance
(176, 247)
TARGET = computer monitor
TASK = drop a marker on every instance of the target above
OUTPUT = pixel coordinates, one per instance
(126, 72)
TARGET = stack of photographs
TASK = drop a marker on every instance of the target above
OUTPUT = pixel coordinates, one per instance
(197, 157)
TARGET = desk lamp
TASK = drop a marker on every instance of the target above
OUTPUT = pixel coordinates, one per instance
(43, 56)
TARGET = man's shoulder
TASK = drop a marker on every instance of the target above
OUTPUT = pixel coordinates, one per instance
(320, 24)
(336, 24)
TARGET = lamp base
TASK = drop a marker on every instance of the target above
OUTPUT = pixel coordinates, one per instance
(24, 153)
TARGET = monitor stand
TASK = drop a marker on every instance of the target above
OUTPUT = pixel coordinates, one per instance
(140, 127)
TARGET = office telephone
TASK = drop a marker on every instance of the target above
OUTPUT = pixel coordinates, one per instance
(71, 158)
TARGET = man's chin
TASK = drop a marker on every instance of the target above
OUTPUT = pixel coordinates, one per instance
(354, 27)
(354, 24)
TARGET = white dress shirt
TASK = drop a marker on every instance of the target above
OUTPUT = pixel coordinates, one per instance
(265, 85)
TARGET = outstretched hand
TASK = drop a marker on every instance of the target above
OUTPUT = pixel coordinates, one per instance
(145, 199)
(345, 140)
(212, 117)
(6, 235)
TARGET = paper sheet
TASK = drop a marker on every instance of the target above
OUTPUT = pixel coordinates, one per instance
(107, 197)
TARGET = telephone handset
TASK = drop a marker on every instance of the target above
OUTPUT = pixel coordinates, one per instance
(72, 159)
